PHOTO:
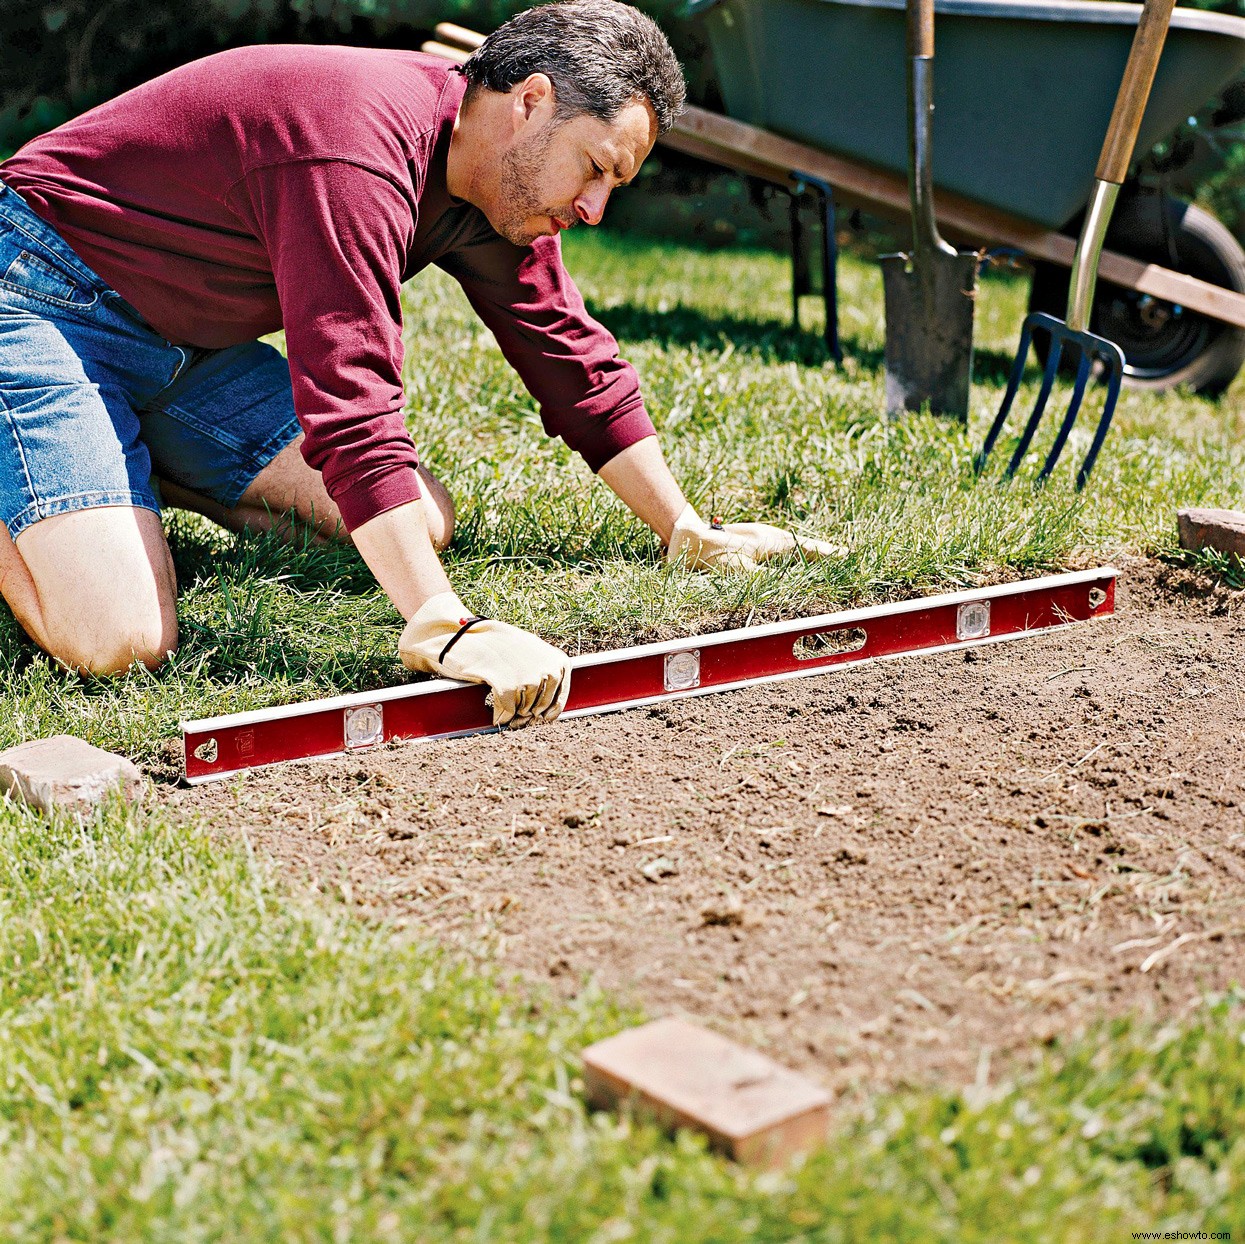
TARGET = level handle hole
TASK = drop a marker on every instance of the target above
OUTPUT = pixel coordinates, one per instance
(829, 643)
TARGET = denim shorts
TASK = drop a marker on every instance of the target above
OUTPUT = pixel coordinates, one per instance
(93, 400)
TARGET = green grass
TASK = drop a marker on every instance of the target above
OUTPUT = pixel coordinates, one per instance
(189, 1052)
(755, 423)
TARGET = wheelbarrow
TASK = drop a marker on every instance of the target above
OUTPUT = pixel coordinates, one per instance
(1023, 93)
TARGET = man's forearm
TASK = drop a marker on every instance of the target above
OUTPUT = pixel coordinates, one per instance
(641, 478)
(399, 552)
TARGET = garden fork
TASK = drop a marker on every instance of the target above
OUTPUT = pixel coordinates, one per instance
(1073, 334)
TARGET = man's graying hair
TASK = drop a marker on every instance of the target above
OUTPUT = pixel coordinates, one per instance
(599, 54)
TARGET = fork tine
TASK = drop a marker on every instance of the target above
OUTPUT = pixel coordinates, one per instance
(1074, 408)
(1089, 347)
(1113, 357)
(1039, 407)
(1013, 384)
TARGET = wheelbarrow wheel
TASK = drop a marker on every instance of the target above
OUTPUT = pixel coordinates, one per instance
(1164, 345)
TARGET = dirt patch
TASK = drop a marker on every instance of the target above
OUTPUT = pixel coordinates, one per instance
(901, 872)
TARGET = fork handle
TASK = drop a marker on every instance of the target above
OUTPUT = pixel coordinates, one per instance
(1130, 103)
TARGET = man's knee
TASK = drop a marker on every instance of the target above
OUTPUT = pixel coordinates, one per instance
(439, 510)
(96, 588)
(114, 650)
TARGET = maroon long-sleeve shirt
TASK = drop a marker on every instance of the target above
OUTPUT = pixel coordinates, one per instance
(297, 188)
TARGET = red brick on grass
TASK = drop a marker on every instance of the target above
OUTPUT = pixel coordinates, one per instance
(749, 1106)
(1222, 530)
(66, 772)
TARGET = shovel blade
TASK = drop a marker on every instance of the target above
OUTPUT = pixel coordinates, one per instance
(929, 332)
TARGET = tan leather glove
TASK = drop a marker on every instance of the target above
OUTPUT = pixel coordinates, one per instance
(530, 678)
(737, 546)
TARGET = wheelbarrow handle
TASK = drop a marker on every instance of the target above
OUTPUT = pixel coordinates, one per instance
(1130, 103)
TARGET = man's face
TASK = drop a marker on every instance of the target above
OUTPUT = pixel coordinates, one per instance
(557, 174)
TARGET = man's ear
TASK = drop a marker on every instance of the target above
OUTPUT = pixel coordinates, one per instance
(534, 102)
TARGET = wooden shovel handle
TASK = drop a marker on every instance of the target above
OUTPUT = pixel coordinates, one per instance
(1130, 103)
(921, 27)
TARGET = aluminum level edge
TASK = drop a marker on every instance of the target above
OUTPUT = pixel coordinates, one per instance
(828, 621)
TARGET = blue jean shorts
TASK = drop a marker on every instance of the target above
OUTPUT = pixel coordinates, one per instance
(93, 401)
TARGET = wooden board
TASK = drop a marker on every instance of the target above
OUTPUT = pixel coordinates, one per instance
(750, 1107)
(759, 153)
(748, 149)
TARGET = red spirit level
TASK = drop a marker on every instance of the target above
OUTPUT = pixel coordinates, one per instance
(606, 681)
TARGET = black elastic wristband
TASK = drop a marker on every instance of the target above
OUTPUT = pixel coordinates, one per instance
(458, 634)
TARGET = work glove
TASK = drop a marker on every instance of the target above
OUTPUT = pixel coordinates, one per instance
(530, 678)
(736, 546)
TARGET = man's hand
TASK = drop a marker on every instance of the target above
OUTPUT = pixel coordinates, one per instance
(736, 546)
(640, 476)
(530, 678)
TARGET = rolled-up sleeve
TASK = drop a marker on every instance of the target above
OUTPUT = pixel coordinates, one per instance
(587, 394)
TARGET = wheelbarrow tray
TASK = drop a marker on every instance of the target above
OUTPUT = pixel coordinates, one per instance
(1023, 94)
(761, 153)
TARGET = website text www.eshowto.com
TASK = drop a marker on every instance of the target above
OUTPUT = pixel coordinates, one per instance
(1182, 1236)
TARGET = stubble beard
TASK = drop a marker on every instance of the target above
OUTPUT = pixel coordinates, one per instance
(518, 191)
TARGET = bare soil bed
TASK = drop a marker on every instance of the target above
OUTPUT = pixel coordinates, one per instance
(907, 872)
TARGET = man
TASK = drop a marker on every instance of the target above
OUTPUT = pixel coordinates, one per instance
(146, 245)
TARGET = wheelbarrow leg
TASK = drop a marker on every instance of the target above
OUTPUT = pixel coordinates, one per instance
(799, 257)
(822, 194)
(830, 270)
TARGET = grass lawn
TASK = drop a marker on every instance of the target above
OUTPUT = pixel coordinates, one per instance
(191, 1051)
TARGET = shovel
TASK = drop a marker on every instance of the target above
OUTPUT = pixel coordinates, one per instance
(1073, 335)
(929, 293)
